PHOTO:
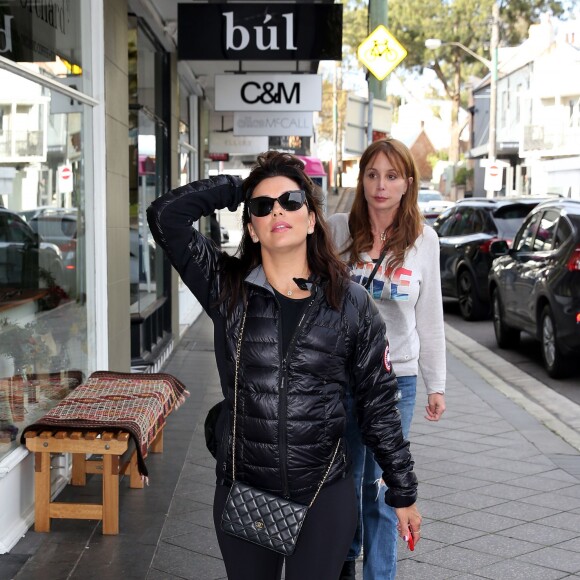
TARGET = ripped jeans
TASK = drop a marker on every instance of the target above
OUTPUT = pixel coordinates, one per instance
(377, 527)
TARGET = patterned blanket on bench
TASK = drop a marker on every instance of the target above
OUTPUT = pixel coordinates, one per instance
(136, 403)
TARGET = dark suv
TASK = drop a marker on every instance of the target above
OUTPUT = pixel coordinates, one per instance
(465, 232)
(59, 226)
(24, 254)
(535, 286)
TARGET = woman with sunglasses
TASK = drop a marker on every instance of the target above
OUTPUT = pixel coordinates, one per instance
(385, 233)
(307, 335)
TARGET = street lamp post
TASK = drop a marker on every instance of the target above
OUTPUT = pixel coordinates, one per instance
(492, 151)
(434, 43)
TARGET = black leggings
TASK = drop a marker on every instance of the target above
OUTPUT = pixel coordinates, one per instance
(322, 547)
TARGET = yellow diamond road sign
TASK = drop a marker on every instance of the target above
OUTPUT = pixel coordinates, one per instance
(381, 52)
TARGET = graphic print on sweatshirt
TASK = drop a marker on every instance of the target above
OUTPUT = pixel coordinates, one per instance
(397, 286)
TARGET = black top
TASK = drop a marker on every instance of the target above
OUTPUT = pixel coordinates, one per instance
(291, 310)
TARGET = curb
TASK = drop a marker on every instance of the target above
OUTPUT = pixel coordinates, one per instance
(553, 410)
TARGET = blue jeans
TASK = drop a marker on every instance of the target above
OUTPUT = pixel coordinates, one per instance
(377, 526)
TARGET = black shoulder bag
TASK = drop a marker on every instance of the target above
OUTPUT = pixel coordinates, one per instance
(367, 284)
(258, 516)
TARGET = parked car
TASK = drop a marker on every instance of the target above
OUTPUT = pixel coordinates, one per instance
(535, 285)
(28, 214)
(465, 232)
(432, 201)
(431, 216)
(24, 255)
(59, 226)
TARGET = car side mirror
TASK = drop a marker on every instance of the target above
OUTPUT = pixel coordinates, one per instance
(33, 240)
(499, 248)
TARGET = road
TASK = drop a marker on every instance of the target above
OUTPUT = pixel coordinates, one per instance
(527, 356)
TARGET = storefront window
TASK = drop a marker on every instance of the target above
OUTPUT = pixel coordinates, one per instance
(148, 178)
(186, 153)
(43, 158)
(46, 37)
(143, 250)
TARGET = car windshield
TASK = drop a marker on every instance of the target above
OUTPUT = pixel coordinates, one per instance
(509, 218)
(429, 196)
(54, 226)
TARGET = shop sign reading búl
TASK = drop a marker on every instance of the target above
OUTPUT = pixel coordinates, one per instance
(259, 31)
(262, 92)
(273, 124)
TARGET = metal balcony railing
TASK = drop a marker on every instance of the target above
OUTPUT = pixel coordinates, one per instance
(21, 144)
(558, 140)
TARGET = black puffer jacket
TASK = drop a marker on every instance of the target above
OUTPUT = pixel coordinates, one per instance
(290, 411)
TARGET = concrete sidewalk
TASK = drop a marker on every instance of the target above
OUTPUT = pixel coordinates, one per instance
(499, 490)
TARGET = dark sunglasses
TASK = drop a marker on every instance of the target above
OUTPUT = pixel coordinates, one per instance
(289, 201)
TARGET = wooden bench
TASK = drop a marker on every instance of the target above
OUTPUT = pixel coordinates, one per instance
(118, 417)
(111, 446)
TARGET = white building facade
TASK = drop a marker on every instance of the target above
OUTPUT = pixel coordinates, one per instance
(538, 109)
(96, 119)
(550, 115)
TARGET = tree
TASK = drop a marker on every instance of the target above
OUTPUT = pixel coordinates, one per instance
(519, 14)
(413, 21)
(334, 95)
(326, 117)
(354, 26)
(466, 22)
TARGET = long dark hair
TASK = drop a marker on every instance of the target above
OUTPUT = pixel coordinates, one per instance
(408, 223)
(323, 261)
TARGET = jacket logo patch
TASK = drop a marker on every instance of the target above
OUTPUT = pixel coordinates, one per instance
(387, 359)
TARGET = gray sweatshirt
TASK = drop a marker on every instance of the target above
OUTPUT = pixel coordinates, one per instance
(410, 302)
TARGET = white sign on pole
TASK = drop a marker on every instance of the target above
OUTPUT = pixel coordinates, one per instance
(261, 92)
(356, 140)
(65, 179)
(356, 111)
(234, 145)
(273, 124)
(493, 180)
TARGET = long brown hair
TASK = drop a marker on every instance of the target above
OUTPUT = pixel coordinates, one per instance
(321, 254)
(408, 223)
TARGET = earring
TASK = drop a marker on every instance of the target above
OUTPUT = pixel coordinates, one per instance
(310, 230)
(255, 239)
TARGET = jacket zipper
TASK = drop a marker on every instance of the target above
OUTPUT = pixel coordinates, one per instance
(284, 403)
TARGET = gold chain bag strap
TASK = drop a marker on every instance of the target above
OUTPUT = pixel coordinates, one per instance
(259, 516)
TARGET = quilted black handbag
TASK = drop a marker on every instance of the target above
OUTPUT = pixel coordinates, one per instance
(263, 518)
(258, 516)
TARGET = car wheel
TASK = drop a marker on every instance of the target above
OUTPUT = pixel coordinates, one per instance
(556, 364)
(470, 305)
(505, 336)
